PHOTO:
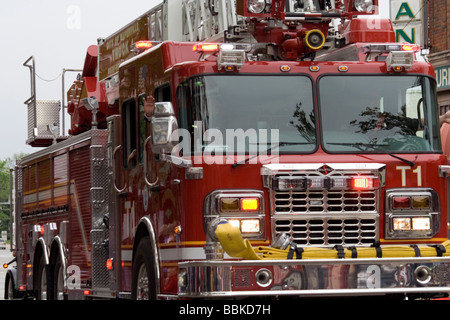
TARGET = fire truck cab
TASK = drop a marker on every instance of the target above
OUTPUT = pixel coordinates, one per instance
(254, 161)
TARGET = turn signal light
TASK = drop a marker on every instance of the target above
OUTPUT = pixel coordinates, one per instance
(249, 204)
(411, 202)
(420, 202)
(229, 204)
(239, 204)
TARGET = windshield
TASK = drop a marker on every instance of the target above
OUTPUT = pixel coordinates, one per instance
(378, 113)
(247, 114)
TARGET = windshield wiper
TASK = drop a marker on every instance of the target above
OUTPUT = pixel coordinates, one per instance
(373, 146)
(280, 144)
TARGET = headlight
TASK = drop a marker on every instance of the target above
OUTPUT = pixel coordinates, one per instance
(412, 213)
(256, 6)
(242, 208)
(363, 5)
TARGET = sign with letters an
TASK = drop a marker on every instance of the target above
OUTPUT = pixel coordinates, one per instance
(407, 20)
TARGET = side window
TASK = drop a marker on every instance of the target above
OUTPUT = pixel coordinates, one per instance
(142, 126)
(129, 132)
(163, 94)
(182, 106)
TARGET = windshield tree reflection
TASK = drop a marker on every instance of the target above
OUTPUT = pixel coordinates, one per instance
(239, 114)
(378, 114)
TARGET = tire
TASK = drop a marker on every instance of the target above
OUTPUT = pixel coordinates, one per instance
(11, 293)
(40, 281)
(58, 281)
(10, 290)
(144, 281)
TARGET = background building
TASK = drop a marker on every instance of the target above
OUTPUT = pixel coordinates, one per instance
(439, 41)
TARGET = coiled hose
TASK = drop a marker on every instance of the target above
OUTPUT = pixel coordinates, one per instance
(236, 246)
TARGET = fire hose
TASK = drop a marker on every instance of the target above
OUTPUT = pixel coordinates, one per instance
(236, 246)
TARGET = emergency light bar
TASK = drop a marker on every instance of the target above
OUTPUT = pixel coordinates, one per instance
(143, 45)
(206, 47)
(389, 47)
(299, 183)
(400, 57)
(231, 55)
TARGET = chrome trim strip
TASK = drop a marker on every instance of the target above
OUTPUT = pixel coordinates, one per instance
(343, 277)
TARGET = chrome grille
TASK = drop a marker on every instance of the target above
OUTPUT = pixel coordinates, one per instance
(330, 231)
(324, 201)
(326, 217)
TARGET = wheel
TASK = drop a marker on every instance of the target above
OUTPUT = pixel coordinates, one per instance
(40, 280)
(10, 287)
(10, 290)
(143, 273)
(58, 280)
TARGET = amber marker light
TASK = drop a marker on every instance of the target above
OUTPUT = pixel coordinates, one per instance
(249, 204)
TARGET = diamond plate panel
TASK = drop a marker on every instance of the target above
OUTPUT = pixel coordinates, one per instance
(100, 278)
(46, 113)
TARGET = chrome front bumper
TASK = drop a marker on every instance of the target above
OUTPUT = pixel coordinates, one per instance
(335, 277)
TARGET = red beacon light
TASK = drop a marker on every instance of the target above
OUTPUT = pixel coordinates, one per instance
(410, 47)
(364, 183)
(142, 45)
(206, 47)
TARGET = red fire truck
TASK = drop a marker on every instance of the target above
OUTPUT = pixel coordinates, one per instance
(222, 149)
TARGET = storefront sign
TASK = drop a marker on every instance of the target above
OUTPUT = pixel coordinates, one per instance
(406, 17)
(442, 76)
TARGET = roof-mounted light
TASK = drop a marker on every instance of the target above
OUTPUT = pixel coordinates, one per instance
(363, 5)
(411, 47)
(256, 6)
(206, 47)
(389, 47)
(399, 60)
(231, 56)
(230, 59)
(143, 45)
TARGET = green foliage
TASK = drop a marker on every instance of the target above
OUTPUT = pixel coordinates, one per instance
(5, 166)
(4, 196)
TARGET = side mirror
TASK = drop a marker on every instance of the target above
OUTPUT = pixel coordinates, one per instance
(164, 124)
